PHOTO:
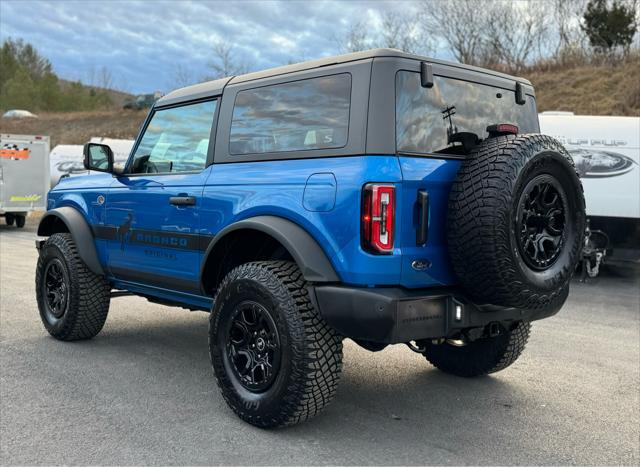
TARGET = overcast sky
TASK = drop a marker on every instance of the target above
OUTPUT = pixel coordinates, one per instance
(144, 43)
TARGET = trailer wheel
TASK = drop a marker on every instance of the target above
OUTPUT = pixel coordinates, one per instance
(9, 218)
(20, 221)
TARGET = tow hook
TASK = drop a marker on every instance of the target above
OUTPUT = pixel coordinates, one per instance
(493, 329)
(417, 348)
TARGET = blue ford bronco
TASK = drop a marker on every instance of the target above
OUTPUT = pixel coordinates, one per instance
(379, 196)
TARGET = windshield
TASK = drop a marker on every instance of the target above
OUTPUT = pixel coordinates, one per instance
(428, 119)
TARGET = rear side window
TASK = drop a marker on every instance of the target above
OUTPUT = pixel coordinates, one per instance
(297, 116)
(426, 117)
(175, 140)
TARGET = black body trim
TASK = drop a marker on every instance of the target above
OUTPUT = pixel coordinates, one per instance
(395, 315)
(79, 230)
(156, 280)
(157, 238)
(306, 252)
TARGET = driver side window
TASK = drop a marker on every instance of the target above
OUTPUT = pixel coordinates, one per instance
(175, 140)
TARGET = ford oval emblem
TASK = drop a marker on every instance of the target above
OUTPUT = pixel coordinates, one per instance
(421, 264)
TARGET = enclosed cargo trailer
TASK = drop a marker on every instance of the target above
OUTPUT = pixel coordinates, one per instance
(24, 176)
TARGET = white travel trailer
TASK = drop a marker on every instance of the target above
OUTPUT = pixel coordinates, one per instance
(606, 151)
(67, 159)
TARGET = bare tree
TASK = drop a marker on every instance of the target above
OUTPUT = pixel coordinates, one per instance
(402, 31)
(396, 30)
(518, 36)
(100, 78)
(354, 39)
(105, 78)
(225, 61)
(498, 33)
(461, 24)
(182, 77)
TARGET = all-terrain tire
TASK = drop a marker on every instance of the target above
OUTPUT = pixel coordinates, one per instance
(310, 359)
(85, 308)
(482, 356)
(486, 230)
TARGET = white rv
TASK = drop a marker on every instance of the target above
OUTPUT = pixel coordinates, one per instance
(606, 151)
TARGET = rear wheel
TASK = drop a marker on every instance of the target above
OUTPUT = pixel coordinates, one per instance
(275, 360)
(20, 221)
(9, 219)
(73, 301)
(481, 356)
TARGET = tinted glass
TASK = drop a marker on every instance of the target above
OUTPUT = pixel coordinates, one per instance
(306, 114)
(98, 158)
(426, 116)
(176, 140)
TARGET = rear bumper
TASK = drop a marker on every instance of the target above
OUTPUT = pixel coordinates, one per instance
(394, 315)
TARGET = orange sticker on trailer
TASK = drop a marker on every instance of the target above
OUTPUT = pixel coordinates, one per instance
(14, 153)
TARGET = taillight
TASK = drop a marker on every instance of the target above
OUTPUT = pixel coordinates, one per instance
(502, 129)
(378, 208)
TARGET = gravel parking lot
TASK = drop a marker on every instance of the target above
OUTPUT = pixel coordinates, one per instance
(142, 392)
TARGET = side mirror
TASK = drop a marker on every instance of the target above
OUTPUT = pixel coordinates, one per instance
(98, 157)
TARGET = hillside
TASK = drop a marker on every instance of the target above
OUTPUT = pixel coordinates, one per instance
(590, 90)
(117, 98)
(78, 127)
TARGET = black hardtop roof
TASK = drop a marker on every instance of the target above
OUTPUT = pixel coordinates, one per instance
(215, 87)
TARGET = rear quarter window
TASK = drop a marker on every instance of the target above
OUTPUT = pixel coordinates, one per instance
(425, 117)
(301, 115)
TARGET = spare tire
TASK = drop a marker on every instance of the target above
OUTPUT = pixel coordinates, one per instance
(516, 221)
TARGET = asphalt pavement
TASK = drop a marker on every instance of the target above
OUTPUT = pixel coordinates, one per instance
(143, 392)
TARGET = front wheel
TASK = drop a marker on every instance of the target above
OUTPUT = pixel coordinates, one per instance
(73, 301)
(275, 360)
(481, 356)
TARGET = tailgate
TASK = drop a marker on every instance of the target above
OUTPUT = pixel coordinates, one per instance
(425, 265)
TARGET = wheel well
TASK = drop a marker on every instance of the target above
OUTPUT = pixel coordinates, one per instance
(50, 225)
(236, 248)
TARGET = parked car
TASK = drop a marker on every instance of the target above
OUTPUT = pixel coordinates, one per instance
(379, 196)
(19, 114)
(141, 101)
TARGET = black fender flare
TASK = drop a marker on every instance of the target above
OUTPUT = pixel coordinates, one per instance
(79, 230)
(309, 256)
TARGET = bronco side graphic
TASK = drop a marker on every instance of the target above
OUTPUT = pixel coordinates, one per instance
(124, 231)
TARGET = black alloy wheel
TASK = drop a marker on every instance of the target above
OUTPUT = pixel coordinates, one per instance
(516, 222)
(540, 222)
(253, 346)
(56, 289)
(72, 300)
(275, 359)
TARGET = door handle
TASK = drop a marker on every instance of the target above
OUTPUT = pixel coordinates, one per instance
(423, 217)
(183, 200)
